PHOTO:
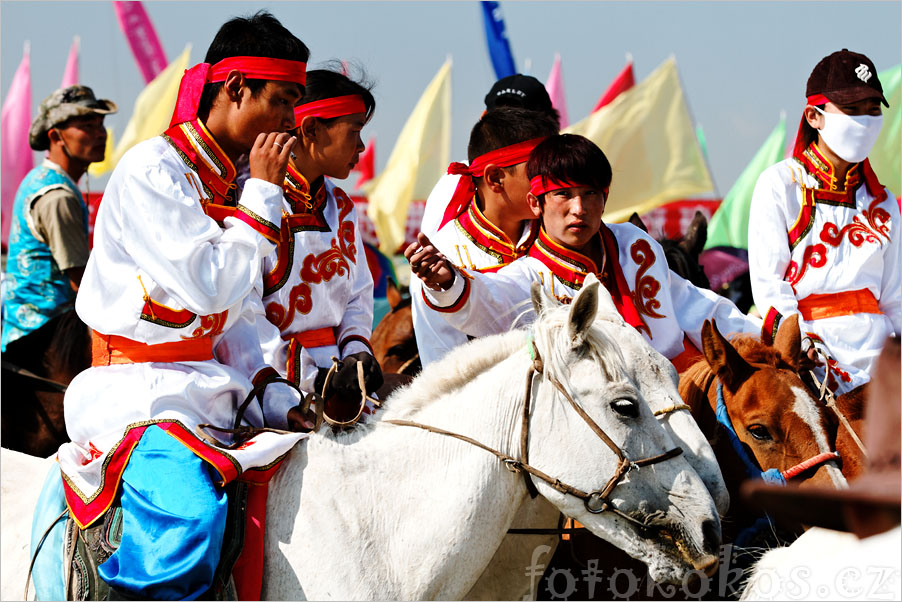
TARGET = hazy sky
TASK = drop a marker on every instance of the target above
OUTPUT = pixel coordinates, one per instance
(741, 63)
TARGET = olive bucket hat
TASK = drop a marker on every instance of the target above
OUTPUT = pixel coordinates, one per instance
(62, 105)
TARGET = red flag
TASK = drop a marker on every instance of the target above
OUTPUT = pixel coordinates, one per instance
(366, 164)
(623, 82)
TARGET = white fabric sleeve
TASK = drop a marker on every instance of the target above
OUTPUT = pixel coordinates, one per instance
(769, 253)
(435, 336)
(207, 269)
(891, 284)
(358, 315)
(693, 305)
(482, 304)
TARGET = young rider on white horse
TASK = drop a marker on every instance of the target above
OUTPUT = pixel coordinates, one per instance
(318, 289)
(168, 291)
(570, 177)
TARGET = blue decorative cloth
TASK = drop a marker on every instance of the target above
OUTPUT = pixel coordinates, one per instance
(48, 566)
(36, 290)
(174, 518)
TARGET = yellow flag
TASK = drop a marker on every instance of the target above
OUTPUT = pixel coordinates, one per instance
(419, 159)
(887, 152)
(647, 135)
(153, 110)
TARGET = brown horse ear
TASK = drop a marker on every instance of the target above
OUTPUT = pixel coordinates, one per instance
(696, 235)
(789, 341)
(722, 357)
(637, 221)
(392, 293)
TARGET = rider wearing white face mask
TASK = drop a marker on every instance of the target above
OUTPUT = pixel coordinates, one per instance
(824, 239)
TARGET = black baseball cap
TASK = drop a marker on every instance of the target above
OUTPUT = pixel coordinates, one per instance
(845, 77)
(518, 91)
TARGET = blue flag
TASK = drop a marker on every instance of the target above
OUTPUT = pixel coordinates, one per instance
(496, 38)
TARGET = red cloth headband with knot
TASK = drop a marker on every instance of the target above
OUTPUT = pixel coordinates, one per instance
(328, 108)
(253, 67)
(539, 185)
(466, 187)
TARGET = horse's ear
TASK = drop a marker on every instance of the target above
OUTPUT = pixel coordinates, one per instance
(392, 293)
(722, 357)
(537, 296)
(583, 310)
(789, 341)
(637, 221)
(696, 236)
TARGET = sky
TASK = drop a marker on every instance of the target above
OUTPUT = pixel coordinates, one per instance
(741, 63)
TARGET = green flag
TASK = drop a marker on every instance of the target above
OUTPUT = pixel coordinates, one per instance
(886, 155)
(729, 226)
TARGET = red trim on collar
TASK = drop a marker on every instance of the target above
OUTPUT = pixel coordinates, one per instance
(488, 237)
(190, 139)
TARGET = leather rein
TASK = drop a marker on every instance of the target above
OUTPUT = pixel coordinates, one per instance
(595, 502)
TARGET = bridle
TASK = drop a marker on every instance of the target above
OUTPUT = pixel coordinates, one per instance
(596, 501)
(752, 469)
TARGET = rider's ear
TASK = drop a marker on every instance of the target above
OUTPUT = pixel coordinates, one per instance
(493, 176)
(534, 205)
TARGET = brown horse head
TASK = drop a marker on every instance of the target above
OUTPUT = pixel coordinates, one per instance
(393, 340)
(778, 422)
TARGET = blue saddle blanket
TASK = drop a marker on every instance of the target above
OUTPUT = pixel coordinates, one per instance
(47, 574)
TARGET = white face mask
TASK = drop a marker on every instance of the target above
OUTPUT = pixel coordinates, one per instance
(850, 136)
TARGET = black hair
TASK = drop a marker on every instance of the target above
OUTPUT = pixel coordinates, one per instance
(512, 100)
(808, 133)
(570, 157)
(332, 82)
(504, 126)
(260, 34)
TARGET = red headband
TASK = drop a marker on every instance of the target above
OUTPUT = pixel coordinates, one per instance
(466, 187)
(813, 100)
(253, 67)
(539, 185)
(328, 108)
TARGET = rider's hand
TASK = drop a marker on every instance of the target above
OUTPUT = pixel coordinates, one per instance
(278, 399)
(301, 421)
(809, 360)
(430, 266)
(269, 156)
(345, 380)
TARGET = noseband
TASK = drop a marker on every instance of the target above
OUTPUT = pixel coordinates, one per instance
(596, 501)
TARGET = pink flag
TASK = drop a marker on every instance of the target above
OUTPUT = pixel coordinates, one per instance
(16, 158)
(142, 38)
(623, 82)
(70, 77)
(555, 87)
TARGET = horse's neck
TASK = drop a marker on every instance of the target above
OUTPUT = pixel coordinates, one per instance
(405, 488)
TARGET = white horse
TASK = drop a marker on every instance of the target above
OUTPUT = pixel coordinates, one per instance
(509, 576)
(393, 511)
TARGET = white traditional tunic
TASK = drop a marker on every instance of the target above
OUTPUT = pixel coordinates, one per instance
(471, 242)
(660, 304)
(168, 291)
(318, 289)
(830, 252)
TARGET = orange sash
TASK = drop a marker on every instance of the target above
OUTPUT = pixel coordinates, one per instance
(107, 350)
(321, 337)
(818, 307)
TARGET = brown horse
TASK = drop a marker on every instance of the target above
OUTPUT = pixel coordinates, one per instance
(768, 418)
(31, 420)
(393, 341)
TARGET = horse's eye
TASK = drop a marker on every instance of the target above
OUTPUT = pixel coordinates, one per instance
(760, 432)
(625, 407)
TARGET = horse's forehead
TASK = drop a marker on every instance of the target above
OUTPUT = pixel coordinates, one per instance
(775, 394)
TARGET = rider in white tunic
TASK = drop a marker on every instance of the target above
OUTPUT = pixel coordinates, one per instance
(824, 239)
(169, 293)
(484, 211)
(572, 243)
(318, 289)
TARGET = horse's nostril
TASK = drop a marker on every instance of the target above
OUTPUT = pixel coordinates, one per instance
(711, 535)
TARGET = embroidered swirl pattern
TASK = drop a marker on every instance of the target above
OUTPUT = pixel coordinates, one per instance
(814, 256)
(210, 326)
(345, 227)
(322, 267)
(647, 287)
(298, 300)
(875, 230)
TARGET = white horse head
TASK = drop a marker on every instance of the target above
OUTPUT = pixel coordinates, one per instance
(588, 348)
